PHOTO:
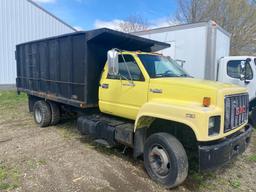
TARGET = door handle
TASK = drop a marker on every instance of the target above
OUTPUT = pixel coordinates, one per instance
(129, 84)
(104, 86)
(156, 90)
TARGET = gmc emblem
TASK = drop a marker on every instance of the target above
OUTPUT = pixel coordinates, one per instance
(240, 110)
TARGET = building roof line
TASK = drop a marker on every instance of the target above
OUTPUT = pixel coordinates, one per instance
(55, 17)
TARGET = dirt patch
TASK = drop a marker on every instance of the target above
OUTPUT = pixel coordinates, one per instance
(60, 159)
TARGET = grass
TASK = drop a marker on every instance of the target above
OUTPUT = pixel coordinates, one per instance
(252, 158)
(67, 130)
(11, 98)
(10, 102)
(42, 162)
(200, 181)
(9, 178)
(34, 164)
(235, 183)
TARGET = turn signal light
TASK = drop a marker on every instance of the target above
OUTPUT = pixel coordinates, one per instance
(206, 101)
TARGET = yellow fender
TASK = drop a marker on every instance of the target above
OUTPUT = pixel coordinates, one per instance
(191, 114)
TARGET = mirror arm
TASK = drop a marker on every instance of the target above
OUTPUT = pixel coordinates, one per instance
(123, 77)
(246, 81)
(131, 83)
(127, 69)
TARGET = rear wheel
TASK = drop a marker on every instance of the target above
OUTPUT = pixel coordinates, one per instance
(165, 159)
(42, 113)
(31, 102)
(55, 113)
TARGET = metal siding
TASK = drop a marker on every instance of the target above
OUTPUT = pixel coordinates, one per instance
(22, 21)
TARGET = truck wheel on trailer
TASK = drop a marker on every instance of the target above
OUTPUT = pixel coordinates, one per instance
(165, 159)
(55, 111)
(42, 113)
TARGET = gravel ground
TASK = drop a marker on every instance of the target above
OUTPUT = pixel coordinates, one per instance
(59, 159)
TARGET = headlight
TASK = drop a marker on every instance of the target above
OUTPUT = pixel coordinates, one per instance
(214, 125)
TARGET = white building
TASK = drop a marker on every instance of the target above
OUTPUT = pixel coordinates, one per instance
(22, 21)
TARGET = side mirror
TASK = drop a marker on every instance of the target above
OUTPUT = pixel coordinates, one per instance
(113, 68)
(242, 70)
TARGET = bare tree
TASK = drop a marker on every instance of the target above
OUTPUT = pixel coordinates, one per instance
(236, 16)
(134, 23)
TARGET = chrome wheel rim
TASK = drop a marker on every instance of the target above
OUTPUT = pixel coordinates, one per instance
(38, 115)
(159, 161)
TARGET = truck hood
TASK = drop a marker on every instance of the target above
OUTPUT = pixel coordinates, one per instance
(192, 90)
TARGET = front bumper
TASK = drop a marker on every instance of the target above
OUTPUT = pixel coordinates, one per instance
(214, 155)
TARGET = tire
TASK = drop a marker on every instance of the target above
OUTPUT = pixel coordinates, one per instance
(55, 113)
(31, 102)
(165, 160)
(42, 113)
(253, 118)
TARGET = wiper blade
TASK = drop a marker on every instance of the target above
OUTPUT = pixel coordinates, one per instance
(166, 75)
(183, 75)
(171, 75)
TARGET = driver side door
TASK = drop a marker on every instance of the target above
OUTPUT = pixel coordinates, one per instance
(123, 94)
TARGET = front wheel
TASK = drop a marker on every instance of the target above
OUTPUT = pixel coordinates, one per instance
(165, 159)
(253, 117)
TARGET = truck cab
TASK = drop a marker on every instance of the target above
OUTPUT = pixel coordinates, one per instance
(240, 70)
(160, 97)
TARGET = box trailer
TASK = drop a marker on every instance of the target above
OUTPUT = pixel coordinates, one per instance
(199, 45)
(124, 94)
(203, 51)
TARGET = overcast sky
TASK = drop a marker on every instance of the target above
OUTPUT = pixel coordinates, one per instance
(90, 14)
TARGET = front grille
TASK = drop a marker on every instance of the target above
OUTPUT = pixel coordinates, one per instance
(236, 111)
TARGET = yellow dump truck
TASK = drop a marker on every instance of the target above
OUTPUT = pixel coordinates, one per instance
(137, 98)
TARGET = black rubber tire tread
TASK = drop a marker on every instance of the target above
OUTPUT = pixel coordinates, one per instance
(45, 112)
(31, 102)
(55, 109)
(253, 118)
(177, 155)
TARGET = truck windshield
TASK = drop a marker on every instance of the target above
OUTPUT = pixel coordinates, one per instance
(159, 66)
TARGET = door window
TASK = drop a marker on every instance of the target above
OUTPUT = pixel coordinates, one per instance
(233, 70)
(127, 62)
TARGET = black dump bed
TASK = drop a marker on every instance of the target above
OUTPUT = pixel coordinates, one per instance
(67, 68)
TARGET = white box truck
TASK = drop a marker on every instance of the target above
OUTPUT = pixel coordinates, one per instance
(203, 51)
